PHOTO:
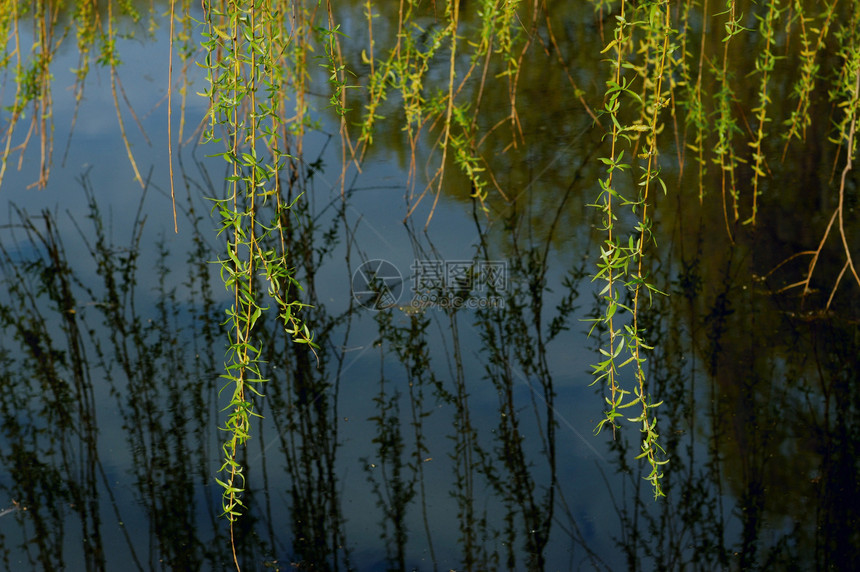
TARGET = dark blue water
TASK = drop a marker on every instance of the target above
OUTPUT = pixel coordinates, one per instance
(425, 437)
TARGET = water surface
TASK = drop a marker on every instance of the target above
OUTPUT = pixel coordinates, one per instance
(420, 436)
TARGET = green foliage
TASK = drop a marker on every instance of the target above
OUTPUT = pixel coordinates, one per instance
(333, 65)
(490, 48)
(681, 67)
(764, 66)
(805, 84)
(246, 93)
(620, 267)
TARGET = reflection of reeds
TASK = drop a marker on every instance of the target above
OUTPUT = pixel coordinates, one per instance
(503, 477)
(742, 480)
(71, 332)
(516, 354)
(301, 403)
(397, 476)
(49, 419)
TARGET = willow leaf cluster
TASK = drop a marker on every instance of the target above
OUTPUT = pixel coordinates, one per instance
(246, 95)
(620, 266)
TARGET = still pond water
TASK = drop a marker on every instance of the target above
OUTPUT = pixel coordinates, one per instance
(424, 437)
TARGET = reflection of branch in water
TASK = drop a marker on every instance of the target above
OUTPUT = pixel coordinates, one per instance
(302, 397)
(15, 507)
(519, 511)
(560, 417)
(51, 442)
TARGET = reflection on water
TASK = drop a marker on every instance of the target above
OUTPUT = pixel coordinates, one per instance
(429, 436)
(436, 438)
(88, 375)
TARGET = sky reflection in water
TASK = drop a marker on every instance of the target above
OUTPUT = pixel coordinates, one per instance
(430, 439)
